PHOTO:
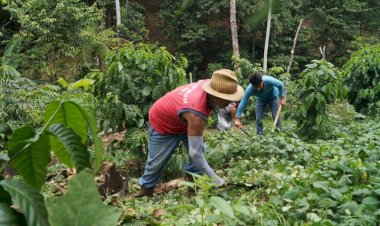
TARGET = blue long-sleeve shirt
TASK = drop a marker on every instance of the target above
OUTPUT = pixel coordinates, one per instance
(272, 88)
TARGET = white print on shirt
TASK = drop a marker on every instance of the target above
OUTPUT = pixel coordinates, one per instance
(187, 90)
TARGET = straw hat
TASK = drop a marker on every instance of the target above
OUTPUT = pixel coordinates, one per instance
(224, 84)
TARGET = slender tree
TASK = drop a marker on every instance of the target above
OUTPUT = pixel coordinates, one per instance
(294, 46)
(118, 17)
(234, 35)
(267, 36)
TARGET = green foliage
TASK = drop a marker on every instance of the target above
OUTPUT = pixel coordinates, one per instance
(137, 76)
(211, 209)
(341, 112)
(132, 23)
(93, 53)
(335, 25)
(321, 84)
(362, 75)
(51, 35)
(66, 124)
(30, 155)
(21, 101)
(247, 68)
(29, 200)
(29, 152)
(213, 67)
(321, 178)
(190, 24)
(71, 144)
(82, 205)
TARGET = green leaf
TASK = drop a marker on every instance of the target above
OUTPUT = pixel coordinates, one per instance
(85, 83)
(30, 155)
(29, 200)
(370, 201)
(95, 137)
(336, 195)
(77, 118)
(82, 205)
(146, 91)
(69, 115)
(9, 216)
(63, 82)
(311, 66)
(242, 209)
(222, 205)
(72, 144)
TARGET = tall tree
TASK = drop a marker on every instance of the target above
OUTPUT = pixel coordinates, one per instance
(234, 34)
(118, 17)
(267, 35)
(294, 46)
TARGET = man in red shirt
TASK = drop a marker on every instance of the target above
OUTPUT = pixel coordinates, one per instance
(181, 115)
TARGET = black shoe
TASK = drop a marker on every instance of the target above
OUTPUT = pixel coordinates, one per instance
(190, 190)
(146, 192)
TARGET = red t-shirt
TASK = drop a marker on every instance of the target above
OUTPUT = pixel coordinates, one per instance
(165, 114)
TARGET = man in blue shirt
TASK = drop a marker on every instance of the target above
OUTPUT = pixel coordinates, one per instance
(268, 91)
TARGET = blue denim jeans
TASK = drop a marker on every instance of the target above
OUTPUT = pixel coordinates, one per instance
(160, 149)
(260, 110)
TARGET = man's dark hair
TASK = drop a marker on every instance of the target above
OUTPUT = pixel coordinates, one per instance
(256, 78)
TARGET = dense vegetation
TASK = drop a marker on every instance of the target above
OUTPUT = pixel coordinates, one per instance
(70, 76)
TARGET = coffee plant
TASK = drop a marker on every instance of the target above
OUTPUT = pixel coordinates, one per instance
(362, 76)
(137, 76)
(321, 84)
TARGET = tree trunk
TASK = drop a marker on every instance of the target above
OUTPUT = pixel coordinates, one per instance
(234, 35)
(267, 36)
(294, 46)
(118, 18)
(126, 6)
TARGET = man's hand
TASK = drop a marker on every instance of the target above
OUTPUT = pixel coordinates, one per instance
(238, 124)
(283, 101)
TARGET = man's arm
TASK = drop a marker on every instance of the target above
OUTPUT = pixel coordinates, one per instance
(197, 149)
(233, 111)
(248, 92)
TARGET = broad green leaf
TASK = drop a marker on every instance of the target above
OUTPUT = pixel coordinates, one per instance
(29, 200)
(72, 144)
(95, 137)
(69, 115)
(63, 82)
(9, 216)
(242, 209)
(30, 155)
(336, 195)
(361, 192)
(85, 83)
(82, 205)
(370, 201)
(61, 152)
(222, 205)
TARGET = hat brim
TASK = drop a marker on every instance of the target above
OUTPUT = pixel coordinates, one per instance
(225, 96)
